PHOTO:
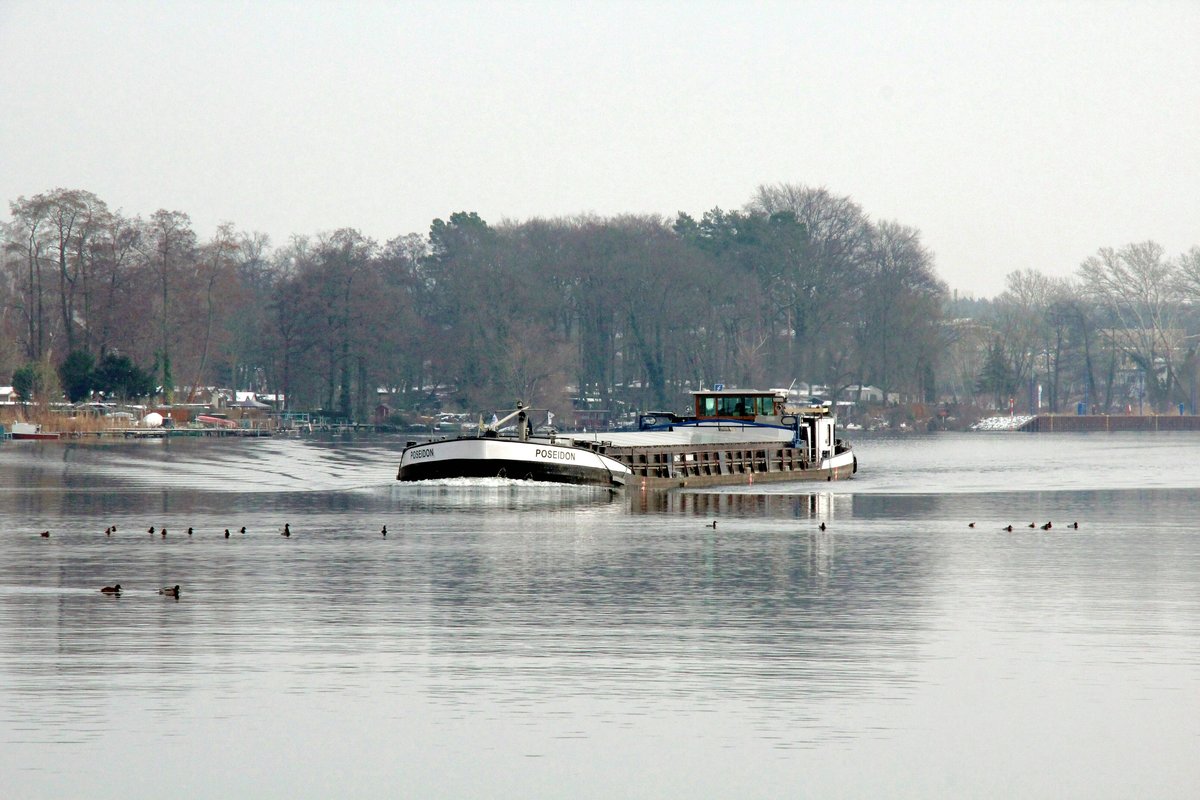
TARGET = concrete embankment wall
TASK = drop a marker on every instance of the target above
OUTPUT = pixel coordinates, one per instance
(1064, 423)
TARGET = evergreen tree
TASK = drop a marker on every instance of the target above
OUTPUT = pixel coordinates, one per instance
(997, 377)
(76, 375)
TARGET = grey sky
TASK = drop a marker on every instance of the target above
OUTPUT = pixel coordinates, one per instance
(1013, 135)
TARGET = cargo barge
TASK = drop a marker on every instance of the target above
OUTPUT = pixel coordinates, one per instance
(732, 437)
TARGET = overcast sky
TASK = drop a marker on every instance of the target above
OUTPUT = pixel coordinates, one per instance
(1013, 135)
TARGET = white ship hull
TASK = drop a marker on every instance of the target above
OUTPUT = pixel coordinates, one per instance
(492, 457)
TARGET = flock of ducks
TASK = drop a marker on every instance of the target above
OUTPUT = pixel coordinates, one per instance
(1046, 527)
(287, 531)
(173, 591)
(824, 527)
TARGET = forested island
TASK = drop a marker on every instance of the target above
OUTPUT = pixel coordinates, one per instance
(800, 286)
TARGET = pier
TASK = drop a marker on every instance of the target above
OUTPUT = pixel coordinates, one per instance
(1110, 423)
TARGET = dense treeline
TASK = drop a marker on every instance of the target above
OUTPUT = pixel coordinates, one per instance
(799, 284)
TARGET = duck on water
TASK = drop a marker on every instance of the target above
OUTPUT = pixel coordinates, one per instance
(732, 436)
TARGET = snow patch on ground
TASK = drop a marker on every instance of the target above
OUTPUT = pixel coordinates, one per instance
(1005, 423)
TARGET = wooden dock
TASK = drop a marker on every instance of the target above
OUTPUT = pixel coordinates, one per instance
(166, 433)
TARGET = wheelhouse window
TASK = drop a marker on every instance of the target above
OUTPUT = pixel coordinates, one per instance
(734, 405)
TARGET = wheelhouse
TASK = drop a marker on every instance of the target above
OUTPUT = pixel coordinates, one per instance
(736, 404)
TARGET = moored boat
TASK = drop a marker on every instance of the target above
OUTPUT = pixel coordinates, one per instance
(28, 430)
(218, 422)
(732, 437)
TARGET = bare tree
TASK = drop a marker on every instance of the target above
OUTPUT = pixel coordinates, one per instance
(1188, 275)
(28, 236)
(899, 309)
(1021, 323)
(823, 275)
(215, 276)
(1141, 291)
(169, 248)
(112, 306)
(1071, 327)
(291, 320)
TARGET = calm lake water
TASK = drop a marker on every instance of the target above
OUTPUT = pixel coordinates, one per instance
(506, 640)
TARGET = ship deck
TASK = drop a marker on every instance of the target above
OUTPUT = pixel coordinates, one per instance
(664, 460)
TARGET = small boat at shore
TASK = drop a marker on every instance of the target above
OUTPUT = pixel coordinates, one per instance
(732, 437)
(218, 422)
(28, 430)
